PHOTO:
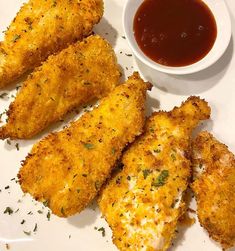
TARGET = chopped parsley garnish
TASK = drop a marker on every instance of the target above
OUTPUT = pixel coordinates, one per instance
(15, 38)
(157, 150)
(78, 190)
(22, 222)
(113, 150)
(173, 157)
(161, 179)
(35, 228)
(17, 146)
(146, 173)
(48, 215)
(89, 146)
(27, 233)
(8, 210)
(18, 87)
(40, 211)
(62, 210)
(46, 203)
(84, 175)
(128, 177)
(97, 185)
(3, 95)
(7, 187)
(102, 230)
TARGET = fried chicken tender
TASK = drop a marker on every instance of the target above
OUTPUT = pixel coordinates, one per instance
(214, 166)
(77, 75)
(143, 202)
(67, 169)
(42, 28)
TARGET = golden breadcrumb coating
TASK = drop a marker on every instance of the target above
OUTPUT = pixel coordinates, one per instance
(77, 75)
(41, 28)
(214, 166)
(143, 202)
(67, 169)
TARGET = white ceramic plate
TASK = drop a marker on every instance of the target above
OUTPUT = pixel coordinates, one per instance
(216, 84)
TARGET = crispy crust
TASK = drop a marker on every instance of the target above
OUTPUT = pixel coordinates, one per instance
(68, 168)
(143, 202)
(214, 166)
(78, 74)
(42, 28)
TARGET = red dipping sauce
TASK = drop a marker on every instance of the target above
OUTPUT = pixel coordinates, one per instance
(175, 32)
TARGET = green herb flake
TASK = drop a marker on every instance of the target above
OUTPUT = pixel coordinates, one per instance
(22, 222)
(89, 146)
(146, 173)
(157, 150)
(102, 230)
(97, 185)
(17, 146)
(173, 157)
(48, 216)
(113, 150)
(78, 190)
(84, 175)
(46, 203)
(62, 210)
(15, 38)
(35, 227)
(3, 95)
(8, 210)
(27, 233)
(161, 179)
(40, 211)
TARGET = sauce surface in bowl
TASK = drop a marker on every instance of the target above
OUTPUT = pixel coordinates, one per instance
(175, 32)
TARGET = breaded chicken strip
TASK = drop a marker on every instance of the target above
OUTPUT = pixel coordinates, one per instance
(67, 168)
(144, 201)
(43, 27)
(78, 74)
(214, 166)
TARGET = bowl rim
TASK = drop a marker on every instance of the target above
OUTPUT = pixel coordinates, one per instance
(202, 64)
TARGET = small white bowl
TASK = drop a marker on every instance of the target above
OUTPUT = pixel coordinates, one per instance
(221, 14)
